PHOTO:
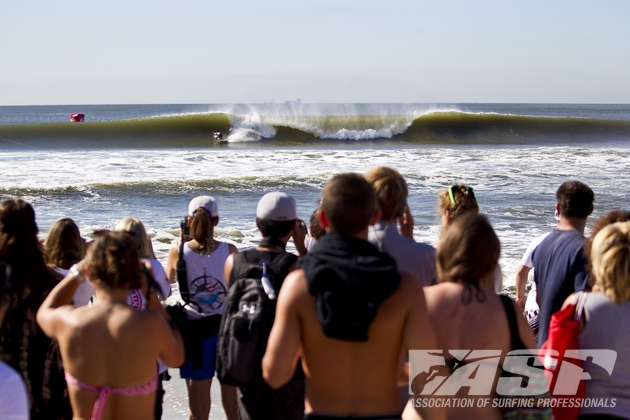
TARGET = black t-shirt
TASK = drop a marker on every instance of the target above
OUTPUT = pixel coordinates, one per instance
(558, 272)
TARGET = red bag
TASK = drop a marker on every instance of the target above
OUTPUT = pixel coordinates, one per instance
(564, 329)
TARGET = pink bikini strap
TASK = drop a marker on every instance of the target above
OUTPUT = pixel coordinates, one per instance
(103, 392)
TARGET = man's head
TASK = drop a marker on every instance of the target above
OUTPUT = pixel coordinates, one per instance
(391, 191)
(348, 204)
(575, 199)
(276, 214)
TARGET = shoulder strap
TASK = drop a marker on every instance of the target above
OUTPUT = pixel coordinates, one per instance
(515, 338)
(182, 275)
(153, 287)
(580, 301)
(278, 267)
(238, 261)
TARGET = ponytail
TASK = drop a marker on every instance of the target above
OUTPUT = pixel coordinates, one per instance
(202, 228)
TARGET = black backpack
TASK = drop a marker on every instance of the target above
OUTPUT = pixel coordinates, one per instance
(247, 319)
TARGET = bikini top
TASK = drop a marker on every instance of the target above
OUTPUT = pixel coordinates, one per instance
(104, 391)
(515, 340)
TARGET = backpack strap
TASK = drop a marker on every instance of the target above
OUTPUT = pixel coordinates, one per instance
(278, 267)
(515, 338)
(182, 275)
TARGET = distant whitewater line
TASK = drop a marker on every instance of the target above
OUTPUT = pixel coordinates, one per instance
(441, 127)
(167, 187)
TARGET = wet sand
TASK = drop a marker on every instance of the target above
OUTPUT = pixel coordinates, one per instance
(176, 399)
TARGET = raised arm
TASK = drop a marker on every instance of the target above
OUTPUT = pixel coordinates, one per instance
(227, 268)
(406, 223)
(299, 233)
(282, 353)
(171, 263)
(172, 352)
(59, 301)
(521, 282)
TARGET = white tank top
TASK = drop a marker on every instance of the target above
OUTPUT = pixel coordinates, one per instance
(206, 282)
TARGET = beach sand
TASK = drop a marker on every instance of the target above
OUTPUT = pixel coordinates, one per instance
(176, 399)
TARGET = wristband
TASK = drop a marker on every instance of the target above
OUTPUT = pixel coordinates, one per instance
(76, 273)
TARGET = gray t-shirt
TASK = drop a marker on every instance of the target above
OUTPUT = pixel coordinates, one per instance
(607, 326)
(411, 257)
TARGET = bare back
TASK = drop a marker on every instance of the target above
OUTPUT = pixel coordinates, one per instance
(116, 347)
(478, 325)
(345, 377)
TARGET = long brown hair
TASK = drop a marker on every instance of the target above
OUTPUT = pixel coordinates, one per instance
(21, 249)
(113, 260)
(202, 228)
(22, 343)
(64, 245)
(468, 251)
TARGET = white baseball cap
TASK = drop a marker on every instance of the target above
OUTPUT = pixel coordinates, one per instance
(205, 201)
(276, 206)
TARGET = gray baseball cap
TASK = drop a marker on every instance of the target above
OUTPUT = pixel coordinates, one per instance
(276, 206)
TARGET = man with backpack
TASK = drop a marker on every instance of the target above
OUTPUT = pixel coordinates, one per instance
(250, 312)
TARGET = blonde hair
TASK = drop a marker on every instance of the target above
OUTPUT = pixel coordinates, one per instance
(140, 238)
(391, 191)
(610, 253)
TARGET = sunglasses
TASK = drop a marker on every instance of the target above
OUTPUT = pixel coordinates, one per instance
(467, 191)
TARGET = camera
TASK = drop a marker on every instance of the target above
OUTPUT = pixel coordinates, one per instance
(183, 225)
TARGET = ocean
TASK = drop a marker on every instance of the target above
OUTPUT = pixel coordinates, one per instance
(149, 161)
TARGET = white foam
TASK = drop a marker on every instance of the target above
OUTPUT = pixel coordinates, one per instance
(514, 185)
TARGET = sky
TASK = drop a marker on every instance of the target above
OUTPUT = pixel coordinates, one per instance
(242, 51)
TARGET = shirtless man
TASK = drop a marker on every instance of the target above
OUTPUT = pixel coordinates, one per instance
(348, 312)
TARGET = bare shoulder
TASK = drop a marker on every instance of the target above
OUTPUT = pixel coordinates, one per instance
(410, 288)
(295, 282)
(438, 293)
(141, 322)
(174, 250)
(232, 249)
(294, 288)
